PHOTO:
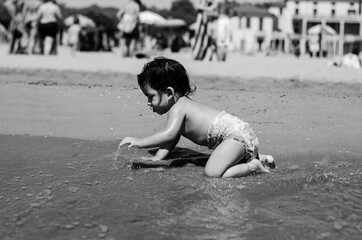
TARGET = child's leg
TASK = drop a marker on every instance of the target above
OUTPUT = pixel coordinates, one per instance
(223, 162)
(227, 154)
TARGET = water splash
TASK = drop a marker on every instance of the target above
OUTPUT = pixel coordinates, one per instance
(122, 151)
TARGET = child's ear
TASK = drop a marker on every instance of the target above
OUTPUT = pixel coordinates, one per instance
(170, 91)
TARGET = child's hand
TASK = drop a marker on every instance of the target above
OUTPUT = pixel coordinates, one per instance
(132, 142)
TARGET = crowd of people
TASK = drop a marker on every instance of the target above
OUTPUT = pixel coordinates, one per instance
(211, 37)
(39, 27)
(34, 26)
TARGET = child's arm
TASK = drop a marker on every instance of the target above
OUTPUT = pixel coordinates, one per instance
(164, 150)
(169, 134)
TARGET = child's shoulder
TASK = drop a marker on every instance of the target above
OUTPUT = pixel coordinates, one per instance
(188, 105)
(182, 104)
(179, 104)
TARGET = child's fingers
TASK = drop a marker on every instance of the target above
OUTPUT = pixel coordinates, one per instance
(123, 143)
(130, 145)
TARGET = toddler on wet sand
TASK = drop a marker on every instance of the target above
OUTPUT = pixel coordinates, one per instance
(166, 85)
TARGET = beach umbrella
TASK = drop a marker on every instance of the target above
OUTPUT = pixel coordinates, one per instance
(83, 21)
(151, 18)
(172, 23)
(319, 29)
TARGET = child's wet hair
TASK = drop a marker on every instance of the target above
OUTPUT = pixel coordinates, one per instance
(161, 73)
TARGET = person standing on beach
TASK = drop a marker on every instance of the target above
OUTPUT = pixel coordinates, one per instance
(129, 27)
(49, 20)
(73, 33)
(30, 22)
(223, 33)
(166, 85)
(16, 27)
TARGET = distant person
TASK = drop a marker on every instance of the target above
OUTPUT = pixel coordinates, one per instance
(30, 21)
(16, 28)
(128, 26)
(223, 33)
(10, 6)
(166, 85)
(74, 31)
(49, 19)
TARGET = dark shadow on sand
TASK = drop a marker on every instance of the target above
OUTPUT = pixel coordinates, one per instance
(178, 158)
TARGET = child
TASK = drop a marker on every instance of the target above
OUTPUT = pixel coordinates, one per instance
(165, 83)
(73, 35)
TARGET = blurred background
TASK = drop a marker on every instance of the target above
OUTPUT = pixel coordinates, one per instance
(301, 28)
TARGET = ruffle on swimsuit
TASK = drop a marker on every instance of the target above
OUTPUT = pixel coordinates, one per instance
(227, 126)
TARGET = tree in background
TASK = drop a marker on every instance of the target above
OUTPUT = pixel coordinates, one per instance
(183, 9)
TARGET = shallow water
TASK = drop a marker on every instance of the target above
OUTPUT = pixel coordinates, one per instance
(57, 188)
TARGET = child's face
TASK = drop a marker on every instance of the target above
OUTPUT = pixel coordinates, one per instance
(158, 101)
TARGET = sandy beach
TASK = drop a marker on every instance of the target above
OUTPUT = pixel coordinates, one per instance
(54, 108)
(283, 97)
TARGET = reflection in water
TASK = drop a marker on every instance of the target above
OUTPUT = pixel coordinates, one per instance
(66, 188)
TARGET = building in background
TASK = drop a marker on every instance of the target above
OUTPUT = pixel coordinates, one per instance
(318, 27)
(252, 29)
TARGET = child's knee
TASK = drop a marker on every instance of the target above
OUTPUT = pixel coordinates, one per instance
(216, 173)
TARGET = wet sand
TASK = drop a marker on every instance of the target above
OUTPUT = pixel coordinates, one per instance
(60, 128)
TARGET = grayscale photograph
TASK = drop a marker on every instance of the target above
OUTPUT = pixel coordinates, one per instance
(180, 119)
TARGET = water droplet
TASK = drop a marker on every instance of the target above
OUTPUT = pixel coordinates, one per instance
(103, 228)
(102, 235)
(73, 189)
(337, 226)
(35, 204)
(69, 226)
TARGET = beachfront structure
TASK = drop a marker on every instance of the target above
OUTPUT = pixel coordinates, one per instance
(318, 27)
(252, 29)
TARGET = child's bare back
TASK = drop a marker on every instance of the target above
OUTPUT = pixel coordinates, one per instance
(197, 119)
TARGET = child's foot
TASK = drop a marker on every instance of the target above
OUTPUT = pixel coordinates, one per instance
(256, 165)
(267, 161)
